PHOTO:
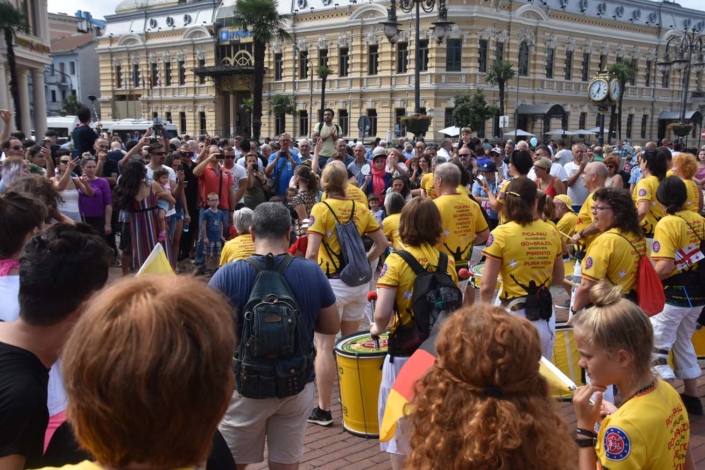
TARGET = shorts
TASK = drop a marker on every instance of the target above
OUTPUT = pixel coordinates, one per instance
(399, 444)
(350, 301)
(248, 422)
(180, 214)
(125, 238)
(213, 248)
(547, 332)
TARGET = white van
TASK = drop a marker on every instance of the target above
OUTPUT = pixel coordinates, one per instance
(126, 128)
(63, 125)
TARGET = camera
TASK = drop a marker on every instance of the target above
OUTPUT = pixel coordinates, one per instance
(158, 126)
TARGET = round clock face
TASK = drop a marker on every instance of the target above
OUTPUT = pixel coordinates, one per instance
(598, 90)
(615, 90)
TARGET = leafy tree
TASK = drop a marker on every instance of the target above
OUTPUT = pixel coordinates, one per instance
(281, 105)
(471, 109)
(266, 24)
(72, 105)
(499, 74)
(623, 72)
(323, 71)
(12, 21)
(247, 105)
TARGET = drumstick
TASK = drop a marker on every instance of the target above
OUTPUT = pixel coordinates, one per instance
(565, 235)
(571, 283)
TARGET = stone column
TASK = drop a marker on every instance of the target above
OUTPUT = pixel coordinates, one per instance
(4, 88)
(233, 117)
(23, 84)
(40, 104)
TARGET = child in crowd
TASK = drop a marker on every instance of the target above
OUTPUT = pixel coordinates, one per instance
(212, 230)
(290, 193)
(162, 189)
(376, 208)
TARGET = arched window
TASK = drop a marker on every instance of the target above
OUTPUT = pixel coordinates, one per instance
(523, 59)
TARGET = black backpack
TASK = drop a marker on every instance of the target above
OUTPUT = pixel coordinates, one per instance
(434, 294)
(274, 358)
(354, 269)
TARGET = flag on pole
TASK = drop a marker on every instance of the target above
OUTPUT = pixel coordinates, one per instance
(156, 262)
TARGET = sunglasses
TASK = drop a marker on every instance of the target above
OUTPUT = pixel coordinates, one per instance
(230, 157)
(463, 154)
(610, 166)
(158, 153)
(17, 147)
(187, 154)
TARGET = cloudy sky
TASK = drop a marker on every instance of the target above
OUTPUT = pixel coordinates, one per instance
(101, 8)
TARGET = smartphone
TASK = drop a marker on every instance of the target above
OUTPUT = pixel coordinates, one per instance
(181, 167)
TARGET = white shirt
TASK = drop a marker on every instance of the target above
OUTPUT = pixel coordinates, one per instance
(556, 170)
(578, 192)
(241, 162)
(441, 152)
(239, 173)
(564, 156)
(172, 178)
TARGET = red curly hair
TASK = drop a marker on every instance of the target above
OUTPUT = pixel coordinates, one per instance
(484, 405)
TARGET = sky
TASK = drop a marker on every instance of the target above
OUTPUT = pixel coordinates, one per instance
(100, 8)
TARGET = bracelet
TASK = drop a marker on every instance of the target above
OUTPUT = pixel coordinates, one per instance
(584, 443)
(585, 432)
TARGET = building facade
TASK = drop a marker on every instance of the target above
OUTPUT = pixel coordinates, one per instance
(32, 55)
(147, 57)
(74, 71)
(556, 46)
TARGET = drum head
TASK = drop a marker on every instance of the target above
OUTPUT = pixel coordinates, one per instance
(478, 269)
(362, 344)
(365, 170)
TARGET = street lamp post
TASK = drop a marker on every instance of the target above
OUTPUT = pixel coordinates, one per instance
(440, 30)
(684, 47)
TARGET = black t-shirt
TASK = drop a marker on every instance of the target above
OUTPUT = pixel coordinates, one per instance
(83, 139)
(109, 167)
(191, 189)
(23, 404)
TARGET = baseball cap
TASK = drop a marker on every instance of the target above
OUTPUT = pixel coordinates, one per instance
(489, 167)
(543, 162)
(496, 150)
(565, 199)
(379, 152)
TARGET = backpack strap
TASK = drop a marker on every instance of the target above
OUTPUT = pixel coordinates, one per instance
(632, 245)
(269, 263)
(284, 263)
(254, 263)
(691, 228)
(333, 212)
(413, 262)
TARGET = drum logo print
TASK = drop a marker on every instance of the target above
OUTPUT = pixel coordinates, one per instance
(656, 247)
(642, 192)
(490, 241)
(311, 221)
(617, 445)
(383, 271)
(588, 263)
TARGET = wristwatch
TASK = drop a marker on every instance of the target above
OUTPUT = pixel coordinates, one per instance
(586, 442)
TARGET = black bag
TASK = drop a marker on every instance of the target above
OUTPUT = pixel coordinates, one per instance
(539, 303)
(434, 293)
(355, 270)
(274, 358)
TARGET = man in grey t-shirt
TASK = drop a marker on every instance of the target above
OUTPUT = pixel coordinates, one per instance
(329, 132)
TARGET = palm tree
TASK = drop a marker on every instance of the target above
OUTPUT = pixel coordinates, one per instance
(266, 23)
(499, 74)
(247, 106)
(12, 21)
(623, 72)
(323, 71)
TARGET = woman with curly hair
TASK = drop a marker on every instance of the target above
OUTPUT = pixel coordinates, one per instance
(44, 190)
(685, 166)
(483, 404)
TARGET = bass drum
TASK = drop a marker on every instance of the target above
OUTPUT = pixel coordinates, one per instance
(566, 357)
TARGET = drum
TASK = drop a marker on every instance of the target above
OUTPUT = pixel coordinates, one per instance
(566, 357)
(476, 278)
(699, 344)
(360, 374)
(568, 266)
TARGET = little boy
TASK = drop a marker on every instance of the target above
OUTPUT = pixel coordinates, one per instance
(375, 208)
(212, 231)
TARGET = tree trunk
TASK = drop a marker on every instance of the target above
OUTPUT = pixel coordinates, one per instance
(500, 84)
(613, 112)
(323, 98)
(619, 123)
(14, 87)
(257, 91)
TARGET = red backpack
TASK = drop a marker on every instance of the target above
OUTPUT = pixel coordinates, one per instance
(649, 289)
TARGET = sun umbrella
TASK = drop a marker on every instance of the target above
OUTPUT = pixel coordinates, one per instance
(560, 132)
(452, 131)
(519, 133)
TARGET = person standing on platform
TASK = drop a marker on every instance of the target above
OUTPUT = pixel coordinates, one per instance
(329, 133)
(576, 190)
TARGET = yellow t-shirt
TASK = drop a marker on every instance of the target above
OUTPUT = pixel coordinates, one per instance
(585, 218)
(501, 196)
(323, 222)
(237, 249)
(693, 195)
(527, 252)
(85, 465)
(427, 185)
(611, 257)
(567, 223)
(674, 233)
(669, 173)
(645, 190)
(390, 225)
(462, 219)
(650, 431)
(396, 274)
(463, 190)
(353, 194)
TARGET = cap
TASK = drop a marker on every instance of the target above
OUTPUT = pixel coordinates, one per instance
(382, 143)
(489, 167)
(379, 152)
(565, 200)
(543, 162)
(496, 150)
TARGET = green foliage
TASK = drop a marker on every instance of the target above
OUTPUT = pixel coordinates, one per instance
(471, 109)
(623, 72)
(12, 18)
(72, 105)
(262, 18)
(282, 104)
(499, 74)
(247, 105)
(323, 72)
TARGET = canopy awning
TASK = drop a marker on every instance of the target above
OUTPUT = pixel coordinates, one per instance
(223, 71)
(554, 110)
(693, 116)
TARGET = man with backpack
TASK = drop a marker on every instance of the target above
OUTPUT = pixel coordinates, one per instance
(279, 302)
(329, 133)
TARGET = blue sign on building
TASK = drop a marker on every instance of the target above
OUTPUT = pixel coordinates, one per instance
(228, 35)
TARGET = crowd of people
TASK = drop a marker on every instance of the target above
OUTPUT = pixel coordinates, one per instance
(166, 372)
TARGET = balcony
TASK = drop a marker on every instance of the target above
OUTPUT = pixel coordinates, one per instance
(56, 79)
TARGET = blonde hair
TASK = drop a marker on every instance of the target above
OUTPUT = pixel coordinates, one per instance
(334, 179)
(147, 371)
(615, 323)
(686, 164)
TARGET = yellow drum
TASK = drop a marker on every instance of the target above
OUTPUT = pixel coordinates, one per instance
(699, 343)
(476, 278)
(566, 357)
(568, 266)
(360, 373)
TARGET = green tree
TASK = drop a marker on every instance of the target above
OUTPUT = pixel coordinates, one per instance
(12, 21)
(247, 105)
(266, 24)
(623, 72)
(471, 109)
(72, 105)
(499, 74)
(323, 71)
(281, 105)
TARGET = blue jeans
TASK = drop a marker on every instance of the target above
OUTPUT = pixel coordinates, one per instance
(200, 257)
